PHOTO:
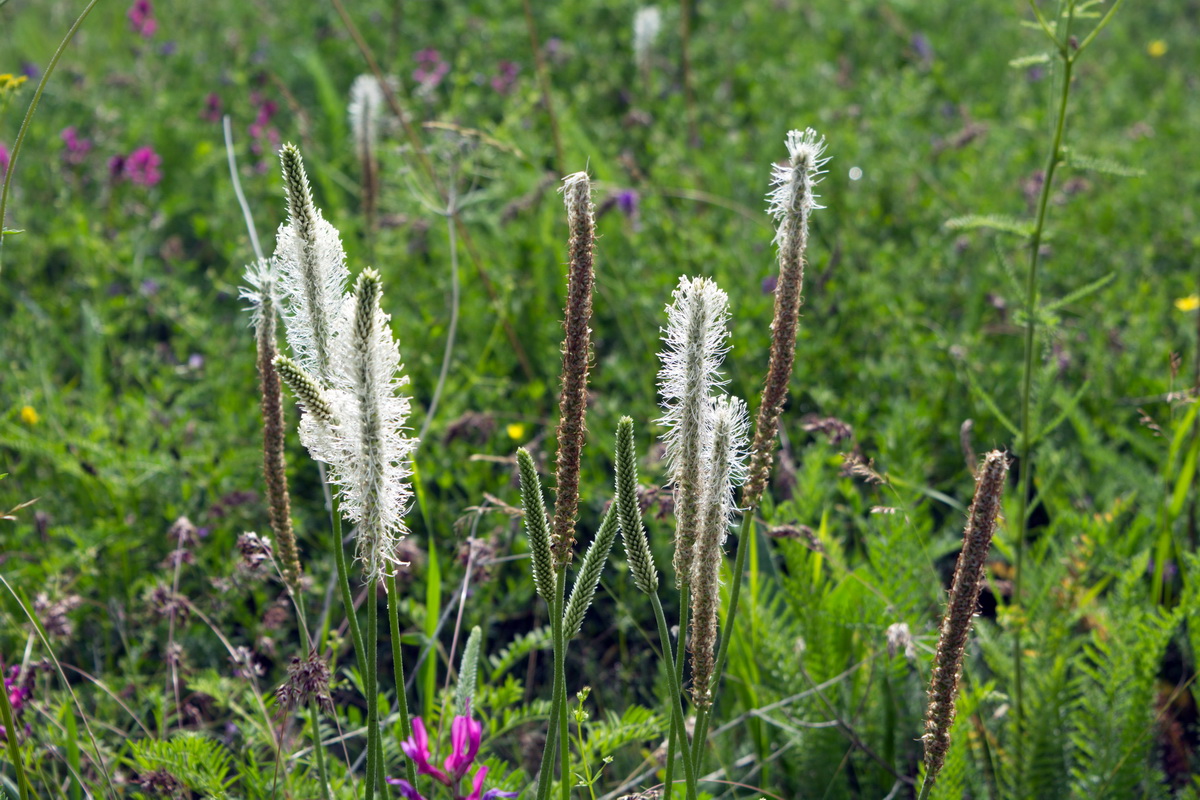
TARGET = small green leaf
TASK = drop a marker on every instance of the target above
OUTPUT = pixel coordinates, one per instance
(1103, 165)
(1079, 294)
(1021, 62)
(996, 222)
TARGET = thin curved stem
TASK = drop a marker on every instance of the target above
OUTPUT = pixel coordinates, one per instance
(735, 591)
(374, 768)
(689, 770)
(452, 233)
(398, 671)
(33, 104)
(1026, 443)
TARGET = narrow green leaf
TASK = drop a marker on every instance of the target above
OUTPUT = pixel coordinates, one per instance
(1079, 294)
(996, 222)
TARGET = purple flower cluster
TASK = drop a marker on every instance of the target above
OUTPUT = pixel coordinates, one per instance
(18, 696)
(141, 18)
(430, 68)
(141, 167)
(265, 138)
(507, 79)
(77, 148)
(5, 158)
(212, 108)
(465, 735)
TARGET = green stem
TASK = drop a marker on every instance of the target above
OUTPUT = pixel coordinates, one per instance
(339, 557)
(735, 592)
(677, 727)
(398, 670)
(560, 670)
(926, 786)
(545, 773)
(314, 713)
(33, 104)
(684, 606)
(14, 750)
(1025, 451)
(313, 707)
(371, 642)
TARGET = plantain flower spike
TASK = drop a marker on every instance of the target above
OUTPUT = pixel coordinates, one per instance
(262, 291)
(790, 202)
(312, 273)
(363, 439)
(726, 469)
(695, 342)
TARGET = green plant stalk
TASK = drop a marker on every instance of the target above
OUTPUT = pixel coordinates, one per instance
(313, 709)
(33, 104)
(343, 576)
(560, 672)
(684, 605)
(735, 590)
(14, 750)
(373, 750)
(398, 669)
(677, 726)
(545, 778)
(1025, 451)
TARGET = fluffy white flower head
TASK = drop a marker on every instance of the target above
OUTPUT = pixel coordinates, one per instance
(727, 467)
(695, 342)
(647, 23)
(366, 110)
(261, 290)
(793, 182)
(312, 273)
(366, 447)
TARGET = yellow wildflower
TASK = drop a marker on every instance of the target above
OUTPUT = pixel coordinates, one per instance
(1157, 48)
(1189, 303)
(515, 430)
(9, 81)
(29, 415)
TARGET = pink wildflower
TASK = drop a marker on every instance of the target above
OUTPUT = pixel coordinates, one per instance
(5, 158)
(212, 108)
(77, 148)
(465, 736)
(504, 82)
(141, 18)
(430, 68)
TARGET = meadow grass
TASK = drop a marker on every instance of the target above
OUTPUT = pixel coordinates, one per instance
(129, 396)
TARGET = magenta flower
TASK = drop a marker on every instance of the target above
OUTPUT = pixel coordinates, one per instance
(212, 108)
(77, 148)
(417, 750)
(504, 82)
(465, 736)
(5, 159)
(430, 68)
(141, 18)
(142, 167)
(18, 695)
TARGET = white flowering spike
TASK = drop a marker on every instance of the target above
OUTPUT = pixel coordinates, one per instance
(724, 470)
(366, 448)
(792, 194)
(366, 111)
(695, 341)
(312, 273)
(647, 23)
(262, 290)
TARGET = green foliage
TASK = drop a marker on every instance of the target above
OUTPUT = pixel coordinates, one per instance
(196, 761)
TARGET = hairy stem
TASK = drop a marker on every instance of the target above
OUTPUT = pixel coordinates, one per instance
(677, 724)
(398, 670)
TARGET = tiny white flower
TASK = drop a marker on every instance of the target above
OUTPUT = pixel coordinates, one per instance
(793, 182)
(647, 23)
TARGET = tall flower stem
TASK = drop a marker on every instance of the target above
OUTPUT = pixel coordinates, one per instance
(371, 667)
(1026, 442)
(560, 675)
(33, 104)
(398, 671)
(343, 577)
(735, 590)
(677, 726)
(677, 740)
